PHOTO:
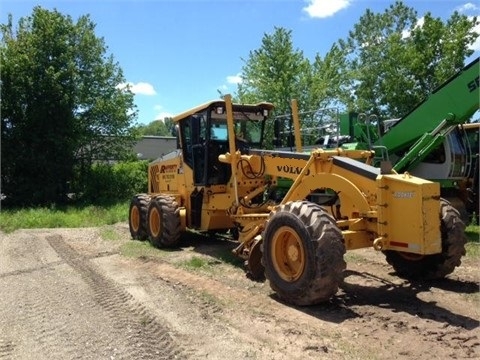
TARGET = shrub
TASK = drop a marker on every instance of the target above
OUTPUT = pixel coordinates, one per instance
(107, 183)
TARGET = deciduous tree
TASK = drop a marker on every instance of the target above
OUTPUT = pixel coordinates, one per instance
(62, 106)
(395, 58)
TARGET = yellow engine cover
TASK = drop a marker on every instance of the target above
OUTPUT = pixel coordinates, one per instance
(166, 174)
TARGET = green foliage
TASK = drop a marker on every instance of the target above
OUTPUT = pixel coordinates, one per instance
(108, 234)
(141, 249)
(62, 217)
(195, 262)
(275, 72)
(62, 105)
(474, 220)
(394, 62)
(163, 127)
(278, 73)
(108, 183)
(387, 64)
(330, 80)
(473, 233)
(473, 249)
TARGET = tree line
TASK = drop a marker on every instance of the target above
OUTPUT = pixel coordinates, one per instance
(64, 112)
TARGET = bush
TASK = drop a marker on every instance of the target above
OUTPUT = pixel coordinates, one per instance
(107, 184)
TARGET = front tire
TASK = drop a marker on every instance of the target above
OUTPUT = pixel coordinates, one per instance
(303, 253)
(437, 266)
(137, 216)
(164, 226)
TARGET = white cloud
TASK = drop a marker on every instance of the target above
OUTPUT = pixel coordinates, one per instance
(325, 8)
(419, 24)
(473, 9)
(140, 88)
(231, 80)
(161, 114)
(234, 79)
(476, 45)
(468, 7)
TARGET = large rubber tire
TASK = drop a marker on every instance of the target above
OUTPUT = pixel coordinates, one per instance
(164, 226)
(137, 216)
(303, 253)
(437, 266)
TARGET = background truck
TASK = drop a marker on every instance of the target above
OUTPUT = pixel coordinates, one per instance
(429, 142)
(222, 179)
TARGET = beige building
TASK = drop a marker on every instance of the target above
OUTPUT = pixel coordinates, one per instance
(151, 147)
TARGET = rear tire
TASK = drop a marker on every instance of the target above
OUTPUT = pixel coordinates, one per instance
(164, 226)
(137, 216)
(437, 266)
(303, 253)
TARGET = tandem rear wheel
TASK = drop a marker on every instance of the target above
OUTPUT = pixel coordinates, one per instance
(137, 216)
(163, 221)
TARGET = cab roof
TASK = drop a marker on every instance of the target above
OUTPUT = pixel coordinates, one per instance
(220, 102)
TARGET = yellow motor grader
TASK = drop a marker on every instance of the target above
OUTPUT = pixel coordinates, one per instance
(221, 178)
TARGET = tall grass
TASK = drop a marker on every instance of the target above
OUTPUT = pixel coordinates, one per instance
(73, 217)
(473, 234)
(68, 217)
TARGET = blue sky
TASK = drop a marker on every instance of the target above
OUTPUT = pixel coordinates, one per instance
(177, 54)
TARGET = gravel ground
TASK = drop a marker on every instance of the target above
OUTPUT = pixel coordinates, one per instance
(93, 293)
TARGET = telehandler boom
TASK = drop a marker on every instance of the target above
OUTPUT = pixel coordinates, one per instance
(220, 179)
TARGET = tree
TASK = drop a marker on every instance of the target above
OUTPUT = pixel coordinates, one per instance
(275, 72)
(62, 106)
(394, 59)
(278, 73)
(163, 127)
(330, 80)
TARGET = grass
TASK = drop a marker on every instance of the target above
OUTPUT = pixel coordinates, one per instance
(141, 249)
(195, 263)
(200, 263)
(473, 249)
(108, 234)
(473, 233)
(92, 216)
(68, 217)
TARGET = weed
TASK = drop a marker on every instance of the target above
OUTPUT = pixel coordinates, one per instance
(352, 256)
(473, 233)
(195, 262)
(473, 249)
(108, 234)
(141, 249)
(67, 217)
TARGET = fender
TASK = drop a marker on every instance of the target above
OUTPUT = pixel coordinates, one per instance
(351, 197)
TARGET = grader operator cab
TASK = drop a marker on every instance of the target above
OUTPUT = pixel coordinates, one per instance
(222, 178)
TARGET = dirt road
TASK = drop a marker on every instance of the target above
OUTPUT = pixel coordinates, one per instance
(94, 294)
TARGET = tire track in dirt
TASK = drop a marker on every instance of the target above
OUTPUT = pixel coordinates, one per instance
(7, 347)
(367, 307)
(53, 307)
(146, 337)
(31, 270)
(254, 316)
